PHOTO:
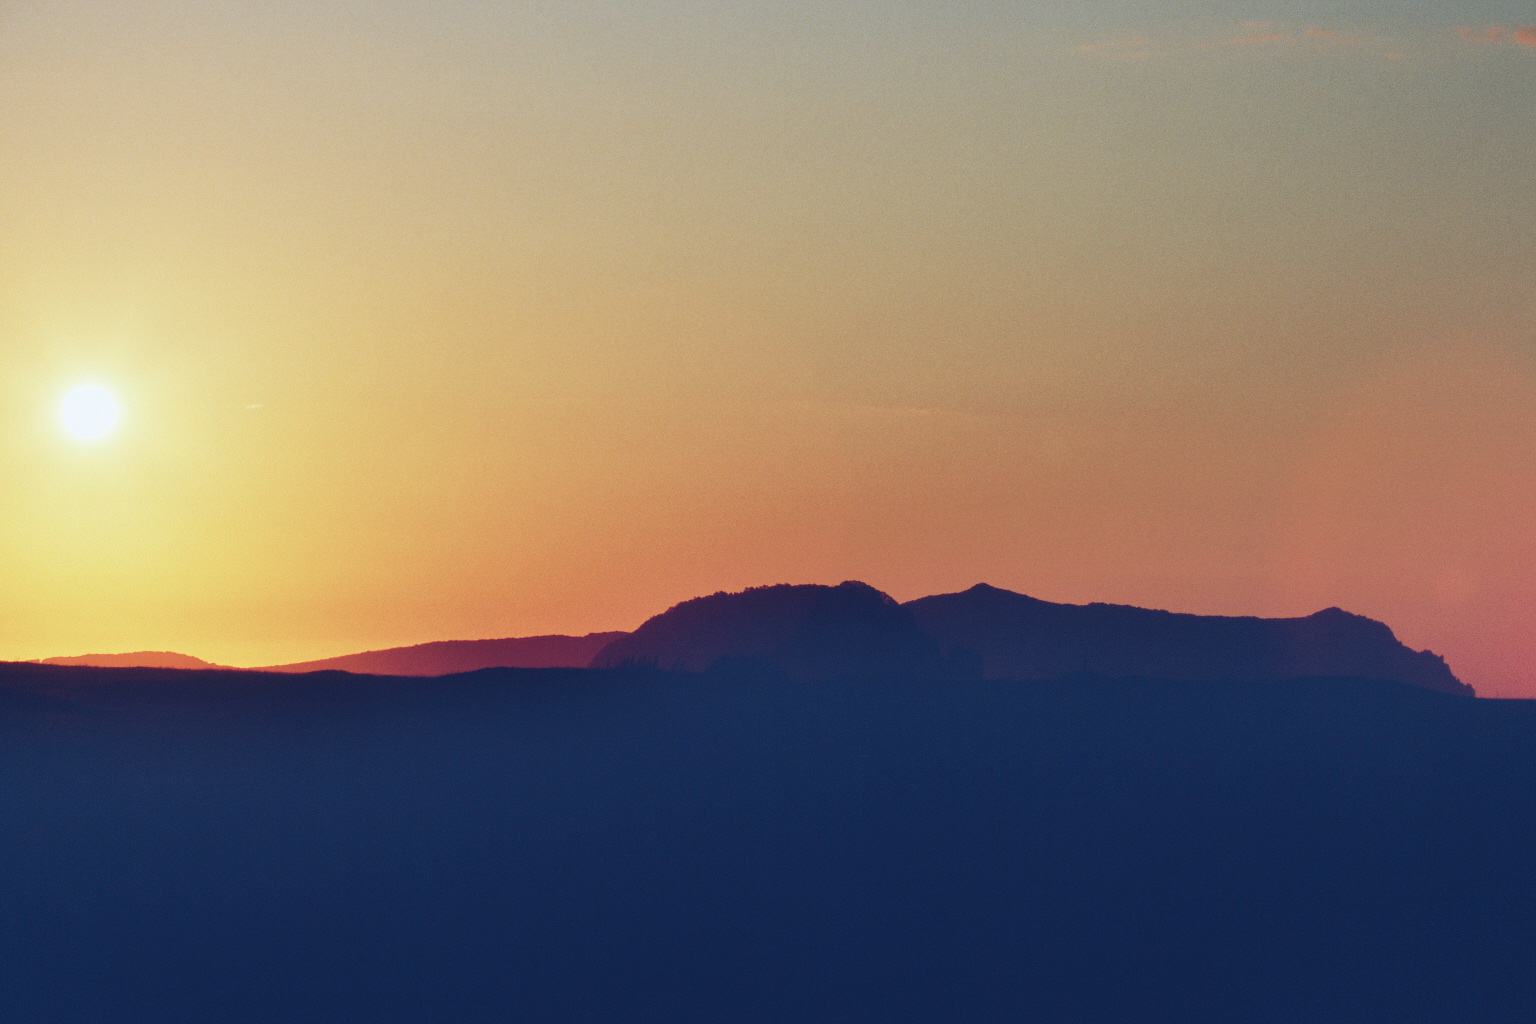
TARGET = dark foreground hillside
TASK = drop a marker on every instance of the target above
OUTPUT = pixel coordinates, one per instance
(584, 846)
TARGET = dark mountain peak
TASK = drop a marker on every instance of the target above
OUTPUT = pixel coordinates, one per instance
(1338, 618)
(858, 587)
(809, 631)
(1022, 637)
(996, 596)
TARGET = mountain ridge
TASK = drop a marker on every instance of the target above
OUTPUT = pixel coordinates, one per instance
(814, 631)
(445, 657)
(1017, 636)
(134, 659)
(807, 631)
(435, 658)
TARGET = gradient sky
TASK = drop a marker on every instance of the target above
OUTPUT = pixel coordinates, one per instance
(469, 319)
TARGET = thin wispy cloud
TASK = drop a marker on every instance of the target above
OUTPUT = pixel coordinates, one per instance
(1256, 35)
(1123, 49)
(1498, 35)
(1261, 39)
(1491, 34)
(1332, 38)
(1299, 39)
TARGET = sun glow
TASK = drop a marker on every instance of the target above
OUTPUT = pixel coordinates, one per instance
(89, 412)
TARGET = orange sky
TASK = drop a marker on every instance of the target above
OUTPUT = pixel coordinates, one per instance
(463, 320)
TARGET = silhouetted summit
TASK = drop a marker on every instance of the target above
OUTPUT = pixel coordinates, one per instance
(447, 656)
(1021, 637)
(808, 632)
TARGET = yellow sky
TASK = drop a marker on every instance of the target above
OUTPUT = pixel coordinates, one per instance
(462, 320)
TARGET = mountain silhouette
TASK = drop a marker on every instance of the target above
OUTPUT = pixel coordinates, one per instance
(448, 656)
(138, 659)
(806, 632)
(820, 632)
(1020, 637)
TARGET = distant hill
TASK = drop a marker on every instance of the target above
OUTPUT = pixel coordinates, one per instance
(138, 659)
(808, 632)
(448, 656)
(1020, 637)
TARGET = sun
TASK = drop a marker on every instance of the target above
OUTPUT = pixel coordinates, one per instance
(89, 412)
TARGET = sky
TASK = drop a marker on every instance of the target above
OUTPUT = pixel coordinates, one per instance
(466, 319)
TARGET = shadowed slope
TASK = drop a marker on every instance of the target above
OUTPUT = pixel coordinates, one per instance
(447, 656)
(1020, 637)
(809, 632)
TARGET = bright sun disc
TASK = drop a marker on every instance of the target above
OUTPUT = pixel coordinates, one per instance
(89, 412)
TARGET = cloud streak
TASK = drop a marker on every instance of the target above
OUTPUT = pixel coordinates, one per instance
(1261, 39)
(1491, 34)
(1123, 49)
(1256, 35)
(1332, 38)
(1520, 35)
(1296, 39)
